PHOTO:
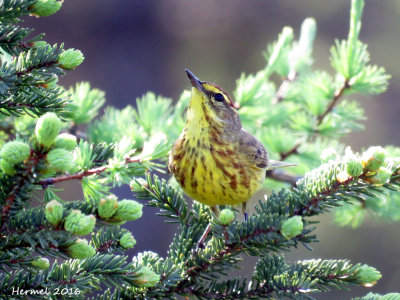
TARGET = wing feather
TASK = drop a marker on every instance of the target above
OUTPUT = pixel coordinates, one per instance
(252, 150)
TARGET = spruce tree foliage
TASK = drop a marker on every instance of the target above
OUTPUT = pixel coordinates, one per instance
(301, 120)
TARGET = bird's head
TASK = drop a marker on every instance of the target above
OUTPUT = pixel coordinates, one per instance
(211, 104)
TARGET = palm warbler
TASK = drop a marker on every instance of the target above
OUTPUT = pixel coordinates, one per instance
(215, 160)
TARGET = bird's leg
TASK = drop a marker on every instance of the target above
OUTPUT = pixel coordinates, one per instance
(215, 210)
(244, 210)
(200, 243)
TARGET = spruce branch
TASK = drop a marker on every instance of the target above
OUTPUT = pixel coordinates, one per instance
(23, 83)
(274, 277)
(29, 230)
(12, 36)
(11, 10)
(112, 269)
(14, 198)
(170, 201)
(373, 296)
(85, 275)
(107, 239)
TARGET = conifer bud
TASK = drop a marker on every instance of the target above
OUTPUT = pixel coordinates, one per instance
(128, 210)
(78, 223)
(45, 8)
(226, 216)
(65, 141)
(52, 82)
(292, 227)
(382, 176)
(7, 168)
(108, 206)
(342, 176)
(328, 154)
(70, 59)
(15, 152)
(54, 211)
(47, 128)
(80, 249)
(40, 263)
(60, 160)
(367, 275)
(373, 158)
(354, 166)
(146, 277)
(40, 44)
(127, 240)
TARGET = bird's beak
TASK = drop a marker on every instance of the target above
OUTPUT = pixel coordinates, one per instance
(196, 83)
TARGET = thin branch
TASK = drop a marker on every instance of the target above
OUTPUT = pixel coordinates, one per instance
(17, 104)
(322, 195)
(294, 150)
(320, 118)
(49, 181)
(39, 66)
(33, 161)
(335, 99)
(283, 88)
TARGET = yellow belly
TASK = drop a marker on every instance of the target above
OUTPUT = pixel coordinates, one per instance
(216, 175)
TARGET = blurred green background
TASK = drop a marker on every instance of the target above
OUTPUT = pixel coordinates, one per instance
(135, 46)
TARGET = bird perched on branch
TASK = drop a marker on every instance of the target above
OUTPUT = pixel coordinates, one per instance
(215, 160)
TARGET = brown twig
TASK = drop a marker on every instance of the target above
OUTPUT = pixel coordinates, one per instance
(335, 99)
(294, 150)
(31, 164)
(320, 118)
(49, 181)
(283, 88)
(39, 66)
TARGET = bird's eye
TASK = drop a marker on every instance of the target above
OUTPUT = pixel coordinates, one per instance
(219, 97)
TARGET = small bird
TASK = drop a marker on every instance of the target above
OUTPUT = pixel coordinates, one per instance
(215, 160)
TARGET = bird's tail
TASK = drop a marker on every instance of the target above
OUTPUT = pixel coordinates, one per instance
(274, 164)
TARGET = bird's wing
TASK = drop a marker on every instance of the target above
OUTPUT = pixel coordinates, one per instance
(255, 153)
(252, 150)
